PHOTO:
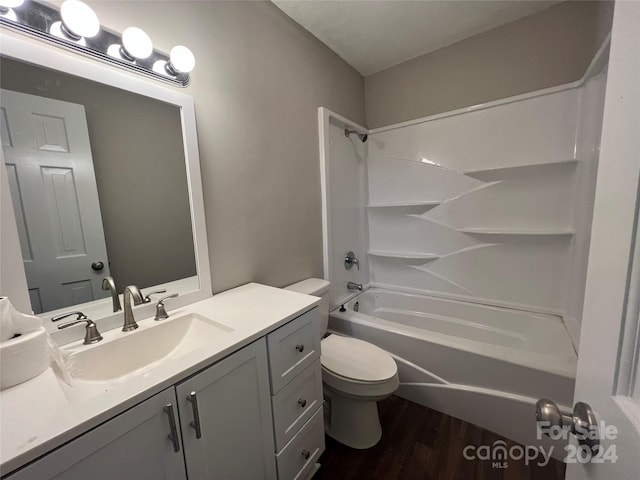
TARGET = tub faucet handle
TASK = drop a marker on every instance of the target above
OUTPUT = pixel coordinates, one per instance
(350, 260)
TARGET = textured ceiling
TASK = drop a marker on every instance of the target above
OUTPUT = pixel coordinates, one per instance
(377, 34)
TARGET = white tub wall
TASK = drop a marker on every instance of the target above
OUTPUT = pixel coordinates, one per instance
(346, 190)
(529, 266)
(591, 109)
(508, 133)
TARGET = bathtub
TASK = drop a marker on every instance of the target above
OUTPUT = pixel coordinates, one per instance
(484, 364)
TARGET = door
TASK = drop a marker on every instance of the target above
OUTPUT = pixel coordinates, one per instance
(139, 444)
(226, 422)
(55, 198)
(608, 371)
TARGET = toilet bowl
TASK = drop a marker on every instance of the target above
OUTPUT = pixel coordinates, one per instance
(355, 376)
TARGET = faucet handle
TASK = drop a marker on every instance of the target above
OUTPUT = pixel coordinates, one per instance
(91, 335)
(147, 298)
(350, 260)
(80, 316)
(161, 312)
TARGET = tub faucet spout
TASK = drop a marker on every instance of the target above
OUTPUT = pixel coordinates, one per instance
(354, 286)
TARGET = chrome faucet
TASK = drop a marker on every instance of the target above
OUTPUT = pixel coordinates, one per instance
(131, 292)
(354, 286)
(108, 283)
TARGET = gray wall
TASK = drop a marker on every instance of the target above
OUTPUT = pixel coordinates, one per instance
(258, 81)
(549, 48)
(138, 158)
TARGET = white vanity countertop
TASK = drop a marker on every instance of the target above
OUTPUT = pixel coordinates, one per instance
(43, 413)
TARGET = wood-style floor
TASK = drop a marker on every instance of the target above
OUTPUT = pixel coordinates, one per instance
(422, 444)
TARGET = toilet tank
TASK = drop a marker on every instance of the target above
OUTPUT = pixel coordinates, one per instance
(318, 288)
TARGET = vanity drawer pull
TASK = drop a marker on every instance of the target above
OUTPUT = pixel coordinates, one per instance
(300, 347)
(302, 402)
(173, 436)
(306, 454)
(196, 414)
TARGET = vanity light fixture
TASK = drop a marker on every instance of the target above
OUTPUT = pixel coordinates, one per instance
(77, 27)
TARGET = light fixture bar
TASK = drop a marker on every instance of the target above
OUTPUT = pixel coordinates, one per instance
(36, 19)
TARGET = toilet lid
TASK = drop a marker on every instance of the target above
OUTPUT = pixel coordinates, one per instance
(356, 359)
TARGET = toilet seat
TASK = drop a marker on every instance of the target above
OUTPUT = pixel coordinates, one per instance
(357, 368)
(356, 360)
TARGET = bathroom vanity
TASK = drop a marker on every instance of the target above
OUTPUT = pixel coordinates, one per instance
(227, 387)
(239, 398)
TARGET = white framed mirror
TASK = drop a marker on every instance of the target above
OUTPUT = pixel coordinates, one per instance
(128, 206)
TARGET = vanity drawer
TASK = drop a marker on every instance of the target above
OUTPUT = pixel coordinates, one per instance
(292, 348)
(296, 403)
(297, 460)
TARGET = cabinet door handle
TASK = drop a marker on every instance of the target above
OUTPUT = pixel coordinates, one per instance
(300, 347)
(302, 402)
(196, 414)
(173, 436)
(306, 454)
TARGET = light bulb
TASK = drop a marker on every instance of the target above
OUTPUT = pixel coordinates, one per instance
(79, 20)
(6, 4)
(56, 30)
(6, 9)
(160, 66)
(136, 43)
(181, 60)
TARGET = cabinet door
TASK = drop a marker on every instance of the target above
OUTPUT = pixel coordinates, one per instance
(226, 420)
(135, 444)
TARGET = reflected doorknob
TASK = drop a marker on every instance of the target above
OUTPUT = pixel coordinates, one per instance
(97, 266)
(582, 421)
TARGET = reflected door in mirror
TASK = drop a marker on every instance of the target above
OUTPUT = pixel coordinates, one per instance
(55, 199)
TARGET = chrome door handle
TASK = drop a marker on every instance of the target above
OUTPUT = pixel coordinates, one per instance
(582, 422)
(173, 436)
(196, 414)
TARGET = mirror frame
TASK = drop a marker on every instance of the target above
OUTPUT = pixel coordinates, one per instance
(43, 55)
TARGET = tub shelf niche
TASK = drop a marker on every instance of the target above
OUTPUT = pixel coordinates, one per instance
(408, 207)
(499, 173)
(426, 203)
(517, 232)
(409, 256)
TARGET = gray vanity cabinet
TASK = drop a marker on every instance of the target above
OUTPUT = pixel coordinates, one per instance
(226, 420)
(234, 441)
(133, 445)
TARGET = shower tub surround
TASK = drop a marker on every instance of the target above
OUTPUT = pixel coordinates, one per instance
(472, 228)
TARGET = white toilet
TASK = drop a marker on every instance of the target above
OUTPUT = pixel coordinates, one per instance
(355, 375)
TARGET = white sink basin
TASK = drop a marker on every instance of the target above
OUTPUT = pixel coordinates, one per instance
(129, 352)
